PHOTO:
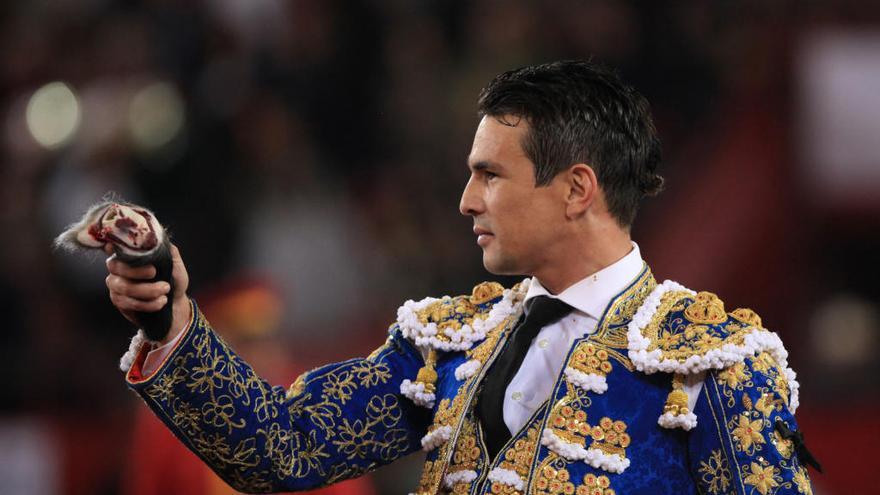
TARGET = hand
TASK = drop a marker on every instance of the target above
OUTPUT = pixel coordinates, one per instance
(129, 293)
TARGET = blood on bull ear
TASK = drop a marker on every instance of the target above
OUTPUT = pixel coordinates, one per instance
(138, 239)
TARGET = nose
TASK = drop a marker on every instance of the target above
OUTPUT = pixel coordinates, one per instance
(470, 204)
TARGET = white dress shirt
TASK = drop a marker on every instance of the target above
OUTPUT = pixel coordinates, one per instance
(533, 382)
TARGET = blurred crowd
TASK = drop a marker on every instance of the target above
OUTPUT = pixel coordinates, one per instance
(308, 157)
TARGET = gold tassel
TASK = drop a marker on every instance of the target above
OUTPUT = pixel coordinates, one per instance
(677, 400)
(427, 374)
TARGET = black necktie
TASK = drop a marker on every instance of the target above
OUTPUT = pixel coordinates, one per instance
(542, 311)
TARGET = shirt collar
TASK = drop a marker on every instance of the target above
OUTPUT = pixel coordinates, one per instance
(592, 294)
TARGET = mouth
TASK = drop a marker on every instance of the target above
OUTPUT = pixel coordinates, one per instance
(483, 236)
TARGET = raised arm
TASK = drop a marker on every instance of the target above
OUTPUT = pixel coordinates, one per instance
(333, 423)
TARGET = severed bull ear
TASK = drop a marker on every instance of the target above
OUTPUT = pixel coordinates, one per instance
(138, 239)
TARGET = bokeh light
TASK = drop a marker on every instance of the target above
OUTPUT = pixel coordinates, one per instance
(155, 116)
(53, 114)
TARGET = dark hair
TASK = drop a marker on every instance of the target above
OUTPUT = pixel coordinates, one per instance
(581, 112)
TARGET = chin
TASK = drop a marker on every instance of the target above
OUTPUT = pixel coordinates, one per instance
(499, 266)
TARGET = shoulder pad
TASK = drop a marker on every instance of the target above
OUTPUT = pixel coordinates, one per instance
(456, 323)
(677, 330)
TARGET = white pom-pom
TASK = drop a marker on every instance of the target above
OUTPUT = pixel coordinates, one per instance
(684, 421)
(139, 339)
(463, 476)
(467, 369)
(415, 391)
(436, 438)
(506, 477)
(588, 381)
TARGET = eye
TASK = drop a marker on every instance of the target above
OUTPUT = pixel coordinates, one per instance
(490, 175)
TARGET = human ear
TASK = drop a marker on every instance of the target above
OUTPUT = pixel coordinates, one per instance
(582, 189)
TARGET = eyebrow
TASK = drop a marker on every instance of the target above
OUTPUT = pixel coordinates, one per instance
(482, 165)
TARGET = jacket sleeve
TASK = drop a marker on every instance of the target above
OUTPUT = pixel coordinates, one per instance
(333, 423)
(737, 447)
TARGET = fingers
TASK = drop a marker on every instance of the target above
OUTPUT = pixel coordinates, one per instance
(122, 269)
(126, 303)
(138, 290)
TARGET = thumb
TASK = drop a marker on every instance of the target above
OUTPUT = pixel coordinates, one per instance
(178, 273)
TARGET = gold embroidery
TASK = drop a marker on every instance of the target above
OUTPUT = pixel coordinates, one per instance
(677, 400)
(802, 481)
(448, 313)
(223, 381)
(766, 404)
(518, 457)
(467, 453)
(733, 375)
(614, 326)
(430, 478)
(748, 434)
(485, 292)
(552, 478)
(589, 359)
(706, 309)
(502, 489)
(715, 473)
(568, 421)
(427, 375)
(568, 418)
(783, 446)
(762, 477)
(610, 437)
(747, 316)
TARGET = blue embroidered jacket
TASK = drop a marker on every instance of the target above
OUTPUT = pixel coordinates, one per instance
(671, 394)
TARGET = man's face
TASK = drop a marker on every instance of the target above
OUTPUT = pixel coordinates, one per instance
(517, 224)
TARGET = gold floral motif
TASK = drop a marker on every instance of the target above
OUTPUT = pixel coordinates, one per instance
(340, 386)
(763, 478)
(802, 481)
(610, 437)
(748, 433)
(370, 374)
(747, 316)
(766, 404)
(706, 309)
(502, 489)
(715, 473)
(589, 359)
(780, 383)
(448, 313)
(568, 418)
(783, 446)
(763, 362)
(518, 457)
(734, 375)
(568, 421)
(467, 453)
(485, 292)
(224, 384)
(430, 477)
(553, 478)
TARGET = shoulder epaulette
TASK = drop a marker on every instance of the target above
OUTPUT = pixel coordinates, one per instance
(677, 330)
(456, 323)
(453, 324)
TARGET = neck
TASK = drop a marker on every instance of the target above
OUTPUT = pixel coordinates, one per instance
(588, 255)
